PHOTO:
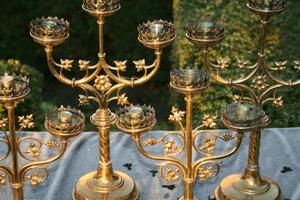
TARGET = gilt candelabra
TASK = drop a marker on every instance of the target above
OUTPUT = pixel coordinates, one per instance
(137, 120)
(63, 123)
(258, 85)
(105, 183)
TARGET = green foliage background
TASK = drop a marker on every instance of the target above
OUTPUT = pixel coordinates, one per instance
(242, 36)
(121, 43)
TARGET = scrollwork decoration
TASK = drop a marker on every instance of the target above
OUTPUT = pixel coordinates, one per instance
(169, 171)
(36, 175)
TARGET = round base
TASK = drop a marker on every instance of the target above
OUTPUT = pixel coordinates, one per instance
(234, 188)
(122, 188)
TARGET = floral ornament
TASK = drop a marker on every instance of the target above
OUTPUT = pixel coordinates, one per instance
(223, 63)
(278, 102)
(7, 92)
(172, 174)
(83, 64)
(52, 144)
(209, 121)
(170, 146)
(3, 123)
(34, 151)
(150, 142)
(177, 115)
(26, 121)
(242, 63)
(121, 65)
(3, 178)
(280, 66)
(66, 64)
(123, 100)
(297, 64)
(208, 145)
(83, 100)
(205, 173)
(260, 82)
(140, 64)
(102, 83)
(35, 178)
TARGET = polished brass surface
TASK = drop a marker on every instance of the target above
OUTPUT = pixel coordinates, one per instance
(258, 85)
(190, 82)
(103, 83)
(13, 90)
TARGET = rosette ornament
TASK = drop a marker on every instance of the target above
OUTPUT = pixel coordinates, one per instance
(205, 34)
(244, 117)
(101, 7)
(266, 8)
(64, 122)
(135, 120)
(189, 80)
(49, 31)
(156, 34)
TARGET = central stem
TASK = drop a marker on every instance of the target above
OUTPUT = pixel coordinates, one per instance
(105, 170)
(189, 179)
(16, 182)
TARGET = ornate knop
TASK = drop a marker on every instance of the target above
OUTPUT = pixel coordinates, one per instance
(176, 115)
(49, 31)
(121, 65)
(205, 33)
(26, 121)
(102, 83)
(156, 34)
(140, 64)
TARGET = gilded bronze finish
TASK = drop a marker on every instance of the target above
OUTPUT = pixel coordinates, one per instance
(103, 83)
(258, 85)
(190, 82)
(13, 90)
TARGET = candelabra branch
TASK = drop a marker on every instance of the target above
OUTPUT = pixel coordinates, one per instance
(197, 164)
(36, 164)
(6, 142)
(168, 159)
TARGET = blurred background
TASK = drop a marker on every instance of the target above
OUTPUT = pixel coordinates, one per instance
(20, 54)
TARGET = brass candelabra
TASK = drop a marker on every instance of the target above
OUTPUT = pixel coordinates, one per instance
(137, 120)
(105, 183)
(258, 85)
(63, 123)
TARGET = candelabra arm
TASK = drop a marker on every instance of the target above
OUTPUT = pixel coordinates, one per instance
(59, 75)
(196, 165)
(135, 81)
(176, 162)
(32, 165)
